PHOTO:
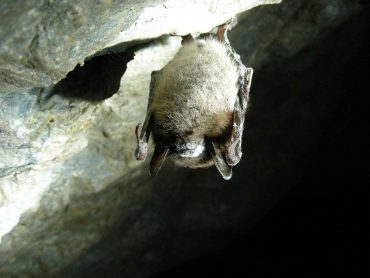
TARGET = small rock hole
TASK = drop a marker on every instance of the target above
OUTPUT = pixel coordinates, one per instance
(98, 79)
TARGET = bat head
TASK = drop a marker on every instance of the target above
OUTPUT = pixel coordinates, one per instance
(192, 152)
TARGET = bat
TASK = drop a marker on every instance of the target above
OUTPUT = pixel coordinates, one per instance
(197, 105)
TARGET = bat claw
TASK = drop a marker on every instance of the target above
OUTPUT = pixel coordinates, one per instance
(142, 146)
(232, 160)
(140, 153)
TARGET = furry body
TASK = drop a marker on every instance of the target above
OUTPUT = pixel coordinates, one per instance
(194, 97)
(197, 105)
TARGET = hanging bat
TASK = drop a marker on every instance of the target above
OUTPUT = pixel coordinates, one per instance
(197, 105)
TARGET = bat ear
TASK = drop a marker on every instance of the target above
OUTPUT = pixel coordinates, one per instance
(220, 161)
(159, 155)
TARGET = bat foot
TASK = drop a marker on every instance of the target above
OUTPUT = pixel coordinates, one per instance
(221, 32)
(186, 39)
(223, 28)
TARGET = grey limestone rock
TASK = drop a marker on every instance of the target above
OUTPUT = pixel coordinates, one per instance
(73, 200)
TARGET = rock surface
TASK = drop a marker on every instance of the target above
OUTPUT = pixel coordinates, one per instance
(73, 201)
(41, 41)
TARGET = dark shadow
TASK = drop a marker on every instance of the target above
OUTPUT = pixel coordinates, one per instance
(318, 229)
(99, 78)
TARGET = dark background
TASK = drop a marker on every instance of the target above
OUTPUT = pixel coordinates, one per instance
(319, 228)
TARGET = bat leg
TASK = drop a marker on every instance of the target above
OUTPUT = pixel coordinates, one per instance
(227, 155)
(143, 129)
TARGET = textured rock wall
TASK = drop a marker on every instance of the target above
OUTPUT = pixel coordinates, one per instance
(43, 40)
(73, 201)
(67, 171)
